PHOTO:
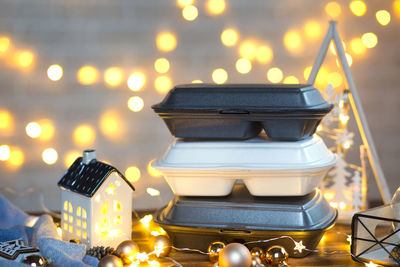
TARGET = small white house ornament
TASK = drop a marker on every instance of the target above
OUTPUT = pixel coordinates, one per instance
(96, 203)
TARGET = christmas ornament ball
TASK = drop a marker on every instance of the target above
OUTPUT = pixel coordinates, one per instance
(234, 255)
(162, 242)
(110, 261)
(35, 260)
(276, 255)
(256, 251)
(127, 251)
(255, 261)
(214, 249)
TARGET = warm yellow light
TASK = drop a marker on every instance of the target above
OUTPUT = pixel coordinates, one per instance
(136, 81)
(152, 171)
(132, 173)
(135, 103)
(6, 120)
(335, 79)
(146, 220)
(320, 128)
(70, 158)
(371, 264)
(55, 72)
(274, 75)
(396, 7)
(59, 231)
(152, 192)
(229, 37)
(219, 76)
(346, 145)
(142, 257)
(183, 3)
(154, 263)
(333, 9)
(16, 157)
(329, 195)
(369, 39)
(197, 81)
(33, 129)
(4, 152)
(313, 29)
(333, 204)
(293, 42)
(341, 104)
(264, 54)
(161, 65)
(110, 190)
(291, 80)
(113, 76)
(5, 43)
(307, 72)
(162, 84)
(215, 7)
(322, 77)
(47, 130)
(190, 13)
(87, 75)
(342, 205)
(166, 41)
(243, 65)
(357, 46)
(344, 118)
(84, 135)
(332, 47)
(383, 17)
(111, 124)
(248, 49)
(358, 7)
(349, 239)
(49, 156)
(25, 59)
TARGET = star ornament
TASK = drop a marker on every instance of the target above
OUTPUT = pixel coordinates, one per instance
(299, 246)
(371, 264)
(11, 249)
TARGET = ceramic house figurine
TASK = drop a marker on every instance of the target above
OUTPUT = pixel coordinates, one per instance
(96, 203)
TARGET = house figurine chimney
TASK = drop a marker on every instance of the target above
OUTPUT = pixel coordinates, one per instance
(88, 156)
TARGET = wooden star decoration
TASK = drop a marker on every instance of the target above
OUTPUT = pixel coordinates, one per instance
(299, 246)
(11, 249)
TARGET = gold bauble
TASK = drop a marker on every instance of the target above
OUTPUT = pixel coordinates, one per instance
(255, 261)
(213, 250)
(234, 255)
(276, 255)
(127, 251)
(161, 242)
(110, 261)
(259, 252)
(35, 260)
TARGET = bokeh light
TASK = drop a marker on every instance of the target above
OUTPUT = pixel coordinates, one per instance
(183, 3)
(33, 129)
(84, 135)
(49, 156)
(219, 76)
(152, 171)
(383, 17)
(248, 49)
(162, 84)
(70, 157)
(166, 41)
(293, 42)
(136, 81)
(135, 103)
(215, 7)
(161, 65)
(24, 59)
(6, 121)
(55, 72)
(307, 72)
(275, 75)
(358, 7)
(197, 81)
(313, 29)
(333, 9)
(291, 80)
(190, 13)
(87, 75)
(17, 157)
(132, 173)
(113, 76)
(396, 7)
(322, 77)
(152, 192)
(229, 37)
(369, 39)
(4, 152)
(264, 54)
(335, 79)
(357, 46)
(47, 129)
(243, 65)
(111, 124)
(332, 47)
(5, 44)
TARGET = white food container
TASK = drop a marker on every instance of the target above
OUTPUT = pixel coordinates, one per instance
(267, 168)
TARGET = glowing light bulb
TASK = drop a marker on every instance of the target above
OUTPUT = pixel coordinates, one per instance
(161, 65)
(357, 46)
(55, 72)
(383, 17)
(291, 80)
(152, 192)
(264, 54)
(87, 75)
(146, 220)
(333, 9)
(162, 84)
(84, 135)
(183, 3)
(5, 44)
(4, 152)
(111, 124)
(346, 145)
(49, 156)
(197, 81)
(166, 41)
(33, 129)
(313, 29)
(135, 103)
(248, 49)
(6, 120)
(16, 158)
(152, 171)
(274, 75)
(132, 173)
(335, 79)
(371, 264)
(190, 13)
(47, 129)
(243, 65)
(293, 42)
(229, 37)
(219, 76)
(358, 7)
(70, 158)
(113, 76)
(344, 118)
(369, 39)
(215, 7)
(136, 81)
(342, 205)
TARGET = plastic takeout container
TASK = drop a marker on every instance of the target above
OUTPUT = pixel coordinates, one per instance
(240, 111)
(195, 222)
(267, 168)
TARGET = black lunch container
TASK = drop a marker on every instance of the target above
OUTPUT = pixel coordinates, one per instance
(241, 111)
(195, 222)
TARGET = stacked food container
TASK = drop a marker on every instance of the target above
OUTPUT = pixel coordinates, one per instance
(233, 184)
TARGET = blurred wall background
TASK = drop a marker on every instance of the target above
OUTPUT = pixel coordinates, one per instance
(88, 108)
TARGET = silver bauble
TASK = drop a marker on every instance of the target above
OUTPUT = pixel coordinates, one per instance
(234, 255)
